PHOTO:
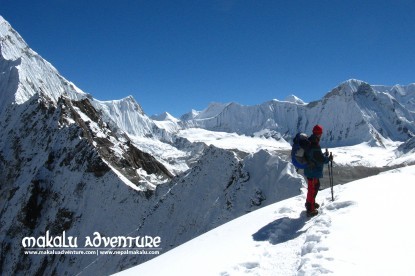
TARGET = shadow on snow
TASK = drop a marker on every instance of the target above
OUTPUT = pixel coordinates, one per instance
(281, 230)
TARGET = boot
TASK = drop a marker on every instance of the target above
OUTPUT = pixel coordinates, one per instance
(316, 205)
(312, 213)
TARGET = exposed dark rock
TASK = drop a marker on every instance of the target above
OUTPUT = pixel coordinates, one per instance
(31, 211)
(131, 160)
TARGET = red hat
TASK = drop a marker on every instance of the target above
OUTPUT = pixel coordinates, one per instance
(317, 130)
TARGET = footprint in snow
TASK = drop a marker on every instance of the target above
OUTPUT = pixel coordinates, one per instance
(285, 210)
(337, 205)
(250, 265)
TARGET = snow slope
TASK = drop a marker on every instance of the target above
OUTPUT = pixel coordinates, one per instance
(357, 234)
(25, 72)
(405, 94)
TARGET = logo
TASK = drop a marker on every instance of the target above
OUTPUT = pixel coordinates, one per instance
(95, 244)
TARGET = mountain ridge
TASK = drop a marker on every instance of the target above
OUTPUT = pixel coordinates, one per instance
(22, 79)
(69, 162)
(374, 116)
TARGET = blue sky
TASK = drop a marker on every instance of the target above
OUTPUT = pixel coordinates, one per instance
(177, 55)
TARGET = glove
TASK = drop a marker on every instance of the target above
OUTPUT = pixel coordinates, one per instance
(326, 154)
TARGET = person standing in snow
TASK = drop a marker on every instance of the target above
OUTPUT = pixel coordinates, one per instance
(314, 171)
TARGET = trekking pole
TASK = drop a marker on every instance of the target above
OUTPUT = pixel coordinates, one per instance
(331, 176)
(330, 169)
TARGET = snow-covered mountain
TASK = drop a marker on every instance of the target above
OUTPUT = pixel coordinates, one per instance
(167, 122)
(25, 73)
(352, 113)
(69, 162)
(294, 99)
(128, 115)
(404, 94)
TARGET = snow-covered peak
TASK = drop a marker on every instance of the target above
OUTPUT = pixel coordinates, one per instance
(352, 113)
(347, 88)
(397, 89)
(9, 36)
(165, 117)
(190, 115)
(352, 83)
(24, 73)
(404, 94)
(167, 122)
(294, 99)
(125, 104)
(128, 115)
(404, 90)
(212, 110)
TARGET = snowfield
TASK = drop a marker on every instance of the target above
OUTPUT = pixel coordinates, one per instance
(362, 154)
(227, 140)
(371, 156)
(367, 230)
